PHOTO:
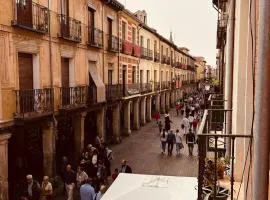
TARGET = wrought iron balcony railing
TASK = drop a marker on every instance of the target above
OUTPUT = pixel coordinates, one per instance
(156, 57)
(164, 85)
(95, 37)
(146, 53)
(168, 61)
(131, 89)
(73, 97)
(113, 43)
(114, 92)
(33, 103)
(145, 88)
(70, 29)
(156, 86)
(163, 59)
(31, 16)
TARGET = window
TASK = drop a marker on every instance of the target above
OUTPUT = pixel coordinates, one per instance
(64, 7)
(167, 52)
(91, 18)
(110, 26)
(148, 43)
(147, 76)
(134, 74)
(133, 35)
(155, 46)
(124, 27)
(110, 77)
(155, 75)
(141, 41)
(162, 50)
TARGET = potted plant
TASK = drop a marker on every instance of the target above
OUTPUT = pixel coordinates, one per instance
(209, 180)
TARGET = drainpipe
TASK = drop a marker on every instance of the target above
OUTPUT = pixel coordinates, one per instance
(229, 76)
(262, 107)
(103, 49)
(118, 53)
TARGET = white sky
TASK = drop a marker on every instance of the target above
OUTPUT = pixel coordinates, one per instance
(193, 23)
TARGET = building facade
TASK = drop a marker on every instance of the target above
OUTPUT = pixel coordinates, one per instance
(73, 70)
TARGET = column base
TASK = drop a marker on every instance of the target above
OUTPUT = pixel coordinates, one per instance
(126, 132)
(116, 140)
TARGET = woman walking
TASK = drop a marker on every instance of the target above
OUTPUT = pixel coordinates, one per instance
(163, 140)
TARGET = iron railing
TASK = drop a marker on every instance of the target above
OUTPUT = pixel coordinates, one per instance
(33, 102)
(145, 88)
(146, 53)
(164, 85)
(156, 57)
(131, 89)
(95, 37)
(163, 59)
(213, 164)
(92, 95)
(73, 96)
(70, 29)
(113, 43)
(168, 61)
(136, 50)
(156, 86)
(114, 92)
(31, 16)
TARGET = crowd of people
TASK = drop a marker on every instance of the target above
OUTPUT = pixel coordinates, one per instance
(88, 182)
(190, 110)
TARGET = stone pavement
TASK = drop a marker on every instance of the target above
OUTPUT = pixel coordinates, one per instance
(143, 152)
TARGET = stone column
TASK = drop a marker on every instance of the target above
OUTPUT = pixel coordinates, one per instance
(78, 123)
(48, 141)
(162, 103)
(4, 165)
(172, 99)
(101, 123)
(116, 124)
(143, 110)
(149, 109)
(157, 101)
(136, 122)
(127, 130)
(167, 101)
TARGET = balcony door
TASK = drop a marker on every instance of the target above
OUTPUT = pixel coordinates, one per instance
(91, 21)
(65, 18)
(24, 12)
(66, 92)
(110, 32)
(26, 94)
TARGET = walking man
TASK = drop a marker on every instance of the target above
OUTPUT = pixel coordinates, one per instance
(170, 141)
(190, 140)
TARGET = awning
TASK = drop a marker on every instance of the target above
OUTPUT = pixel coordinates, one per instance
(99, 84)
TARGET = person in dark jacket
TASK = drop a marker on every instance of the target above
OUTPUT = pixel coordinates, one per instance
(30, 189)
(170, 141)
(125, 168)
(167, 121)
(190, 140)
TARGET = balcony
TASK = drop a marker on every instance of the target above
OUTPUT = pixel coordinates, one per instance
(113, 43)
(173, 85)
(114, 92)
(131, 89)
(163, 59)
(91, 95)
(178, 65)
(221, 4)
(70, 29)
(32, 16)
(33, 103)
(168, 61)
(165, 85)
(136, 50)
(146, 53)
(156, 57)
(73, 97)
(127, 47)
(95, 37)
(156, 86)
(145, 88)
(222, 31)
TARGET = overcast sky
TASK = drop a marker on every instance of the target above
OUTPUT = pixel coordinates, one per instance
(193, 23)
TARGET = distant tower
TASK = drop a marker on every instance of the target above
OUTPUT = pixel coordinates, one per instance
(171, 37)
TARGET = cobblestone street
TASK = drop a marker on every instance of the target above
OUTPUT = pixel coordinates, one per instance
(142, 150)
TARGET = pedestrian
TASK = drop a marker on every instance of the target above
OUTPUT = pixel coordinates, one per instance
(125, 168)
(190, 140)
(195, 125)
(101, 192)
(177, 107)
(170, 141)
(163, 140)
(87, 191)
(81, 177)
(191, 119)
(160, 126)
(167, 121)
(101, 172)
(157, 117)
(30, 189)
(115, 174)
(178, 142)
(69, 181)
(186, 124)
(46, 189)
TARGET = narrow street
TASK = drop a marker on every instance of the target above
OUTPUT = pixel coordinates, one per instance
(142, 151)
